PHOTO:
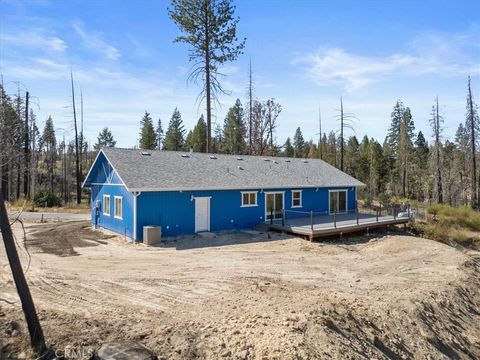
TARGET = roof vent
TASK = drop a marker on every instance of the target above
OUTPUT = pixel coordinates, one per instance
(239, 158)
(265, 159)
(305, 161)
(185, 156)
(275, 161)
(288, 160)
(213, 157)
(240, 168)
(145, 153)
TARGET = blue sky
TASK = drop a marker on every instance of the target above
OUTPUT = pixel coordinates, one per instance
(303, 53)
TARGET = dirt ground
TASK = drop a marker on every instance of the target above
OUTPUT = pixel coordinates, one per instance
(246, 296)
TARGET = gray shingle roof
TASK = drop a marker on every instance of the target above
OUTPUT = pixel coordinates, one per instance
(169, 170)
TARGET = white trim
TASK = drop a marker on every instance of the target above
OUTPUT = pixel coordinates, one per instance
(301, 199)
(118, 174)
(98, 184)
(273, 192)
(135, 195)
(249, 192)
(236, 188)
(109, 205)
(208, 211)
(115, 207)
(346, 200)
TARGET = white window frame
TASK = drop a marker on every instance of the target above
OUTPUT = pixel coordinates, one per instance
(115, 207)
(301, 199)
(249, 193)
(105, 207)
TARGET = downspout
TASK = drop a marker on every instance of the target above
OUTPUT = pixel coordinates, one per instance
(135, 195)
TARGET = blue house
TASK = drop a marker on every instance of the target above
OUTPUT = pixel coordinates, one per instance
(186, 193)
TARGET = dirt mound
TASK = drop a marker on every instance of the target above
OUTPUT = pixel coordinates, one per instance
(395, 297)
(62, 238)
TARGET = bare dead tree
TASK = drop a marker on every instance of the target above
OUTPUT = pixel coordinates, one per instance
(81, 134)
(26, 173)
(37, 339)
(435, 124)
(472, 124)
(250, 108)
(77, 158)
(346, 120)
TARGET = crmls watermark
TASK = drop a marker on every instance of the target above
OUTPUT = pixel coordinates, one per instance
(72, 352)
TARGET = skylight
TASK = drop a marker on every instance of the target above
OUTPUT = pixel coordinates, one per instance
(185, 156)
(145, 153)
(213, 157)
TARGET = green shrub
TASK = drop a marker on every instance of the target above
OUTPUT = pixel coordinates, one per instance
(45, 197)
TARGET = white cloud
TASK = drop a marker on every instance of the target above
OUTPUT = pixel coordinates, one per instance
(34, 39)
(94, 41)
(336, 66)
(445, 55)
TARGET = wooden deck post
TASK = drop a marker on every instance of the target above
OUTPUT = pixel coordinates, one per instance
(311, 221)
(357, 216)
(394, 213)
(271, 216)
(283, 217)
(377, 215)
(380, 208)
(335, 218)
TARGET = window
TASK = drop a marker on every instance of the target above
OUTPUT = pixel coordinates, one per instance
(106, 205)
(249, 199)
(118, 207)
(296, 198)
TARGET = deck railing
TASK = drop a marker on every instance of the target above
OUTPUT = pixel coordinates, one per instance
(326, 219)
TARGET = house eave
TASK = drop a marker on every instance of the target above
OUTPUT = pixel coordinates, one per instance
(245, 188)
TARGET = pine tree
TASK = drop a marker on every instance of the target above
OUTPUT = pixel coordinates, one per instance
(49, 145)
(148, 137)
(404, 150)
(160, 135)
(352, 156)
(420, 169)
(472, 124)
(298, 144)
(197, 138)
(174, 137)
(331, 149)
(435, 124)
(105, 139)
(234, 130)
(210, 28)
(393, 135)
(288, 149)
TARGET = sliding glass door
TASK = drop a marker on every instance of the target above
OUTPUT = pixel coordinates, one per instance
(338, 201)
(273, 205)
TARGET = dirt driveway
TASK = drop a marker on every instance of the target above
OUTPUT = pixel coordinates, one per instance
(249, 297)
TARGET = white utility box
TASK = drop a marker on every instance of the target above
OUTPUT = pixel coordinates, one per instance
(152, 234)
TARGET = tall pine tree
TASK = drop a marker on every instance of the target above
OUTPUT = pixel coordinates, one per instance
(234, 130)
(174, 137)
(148, 137)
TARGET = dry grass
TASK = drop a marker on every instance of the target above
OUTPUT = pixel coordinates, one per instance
(447, 224)
(73, 208)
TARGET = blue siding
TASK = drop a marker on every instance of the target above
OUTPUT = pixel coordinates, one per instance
(103, 174)
(122, 226)
(174, 211)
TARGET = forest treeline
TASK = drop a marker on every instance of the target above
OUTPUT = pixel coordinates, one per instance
(407, 164)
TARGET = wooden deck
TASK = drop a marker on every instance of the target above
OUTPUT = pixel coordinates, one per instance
(329, 225)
